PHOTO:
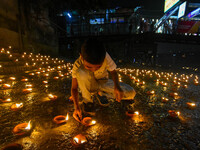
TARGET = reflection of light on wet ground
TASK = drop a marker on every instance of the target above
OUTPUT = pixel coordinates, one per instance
(138, 118)
(30, 97)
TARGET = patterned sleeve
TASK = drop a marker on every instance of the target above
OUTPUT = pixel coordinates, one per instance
(110, 63)
(75, 68)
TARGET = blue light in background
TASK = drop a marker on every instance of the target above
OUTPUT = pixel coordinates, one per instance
(68, 14)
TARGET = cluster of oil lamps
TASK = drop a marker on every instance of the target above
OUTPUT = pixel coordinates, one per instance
(44, 64)
(164, 79)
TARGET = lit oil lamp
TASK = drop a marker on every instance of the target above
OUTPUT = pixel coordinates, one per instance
(191, 105)
(132, 113)
(16, 106)
(27, 90)
(174, 95)
(24, 80)
(79, 140)
(88, 121)
(151, 92)
(185, 86)
(61, 119)
(29, 85)
(37, 72)
(55, 78)
(31, 74)
(45, 82)
(164, 99)
(142, 83)
(174, 113)
(7, 100)
(6, 86)
(46, 75)
(22, 128)
(12, 78)
(61, 75)
(196, 82)
(52, 97)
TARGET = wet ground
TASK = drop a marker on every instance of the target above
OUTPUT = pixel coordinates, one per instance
(153, 128)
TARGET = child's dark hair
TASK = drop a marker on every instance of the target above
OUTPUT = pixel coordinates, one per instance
(93, 51)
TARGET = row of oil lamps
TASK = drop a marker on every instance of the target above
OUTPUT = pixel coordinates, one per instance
(166, 76)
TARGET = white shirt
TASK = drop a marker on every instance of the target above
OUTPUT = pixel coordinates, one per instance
(107, 65)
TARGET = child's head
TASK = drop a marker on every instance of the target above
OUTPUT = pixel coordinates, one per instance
(93, 54)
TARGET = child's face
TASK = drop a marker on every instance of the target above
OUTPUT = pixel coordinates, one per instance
(91, 67)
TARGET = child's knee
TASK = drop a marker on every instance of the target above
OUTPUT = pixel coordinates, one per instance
(130, 94)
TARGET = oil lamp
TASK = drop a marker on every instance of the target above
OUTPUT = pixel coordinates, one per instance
(24, 80)
(191, 105)
(27, 90)
(6, 86)
(164, 99)
(88, 121)
(151, 92)
(174, 95)
(31, 74)
(45, 82)
(132, 113)
(79, 140)
(12, 78)
(56, 78)
(52, 97)
(61, 119)
(174, 113)
(22, 128)
(6, 100)
(16, 106)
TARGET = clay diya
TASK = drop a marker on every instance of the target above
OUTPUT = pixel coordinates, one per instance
(88, 121)
(173, 113)
(132, 113)
(6, 86)
(13, 146)
(174, 95)
(7, 100)
(24, 80)
(185, 86)
(55, 78)
(16, 106)
(142, 83)
(31, 74)
(196, 82)
(61, 119)
(164, 99)
(45, 82)
(79, 140)
(12, 78)
(27, 90)
(151, 92)
(191, 105)
(52, 97)
(29, 85)
(22, 128)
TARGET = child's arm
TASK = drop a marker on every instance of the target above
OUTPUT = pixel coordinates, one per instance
(117, 89)
(74, 92)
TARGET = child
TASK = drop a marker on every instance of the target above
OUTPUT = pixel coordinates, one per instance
(90, 75)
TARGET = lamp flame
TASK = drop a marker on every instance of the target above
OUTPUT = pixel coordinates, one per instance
(28, 127)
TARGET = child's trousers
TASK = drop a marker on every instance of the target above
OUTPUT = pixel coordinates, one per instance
(89, 85)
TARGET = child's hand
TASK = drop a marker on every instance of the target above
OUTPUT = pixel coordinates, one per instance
(77, 114)
(118, 93)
